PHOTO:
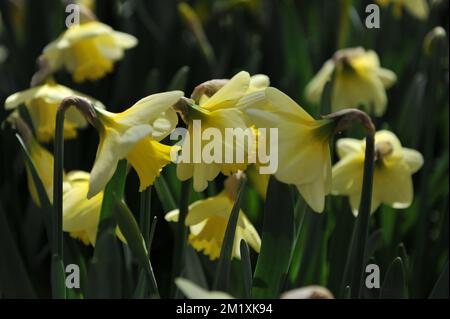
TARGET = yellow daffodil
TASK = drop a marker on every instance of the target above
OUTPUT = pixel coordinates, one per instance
(43, 162)
(42, 103)
(207, 220)
(417, 8)
(134, 134)
(88, 50)
(80, 215)
(359, 80)
(303, 144)
(219, 111)
(394, 165)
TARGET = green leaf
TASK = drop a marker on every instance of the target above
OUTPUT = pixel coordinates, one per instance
(44, 201)
(130, 229)
(277, 238)
(164, 194)
(394, 284)
(180, 239)
(105, 273)
(194, 269)
(440, 289)
(374, 242)
(222, 279)
(142, 287)
(179, 80)
(246, 267)
(14, 278)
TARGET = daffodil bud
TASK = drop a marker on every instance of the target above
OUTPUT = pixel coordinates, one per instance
(433, 39)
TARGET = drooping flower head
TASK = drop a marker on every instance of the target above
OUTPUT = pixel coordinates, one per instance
(207, 220)
(42, 103)
(394, 165)
(303, 143)
(134, 134)
(80, 215)
(88, 50)
(218, 111)
(358, 80)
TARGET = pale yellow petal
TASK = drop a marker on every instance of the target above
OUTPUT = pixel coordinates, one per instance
(283, 103)
(417, 8)
(148, 109)
(193, 291)
(347, 175)
(348, 146)
(230, 93)
(314, 88)
(413, 158)
(105, 163)
(387, 77)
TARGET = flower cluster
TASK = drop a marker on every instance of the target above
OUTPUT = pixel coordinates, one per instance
(302, 142)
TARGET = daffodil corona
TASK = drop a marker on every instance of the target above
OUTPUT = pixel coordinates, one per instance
(88, 50)
(358, 80)
(134, 134)
(42, 102)
(394, 165)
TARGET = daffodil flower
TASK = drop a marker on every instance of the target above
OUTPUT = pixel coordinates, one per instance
(303, 146)
(207, 220)
(80, 215)
(42, 103)
(219, 111)
(416, 8)
(134, 134)
(394, 165)
(358, 80)
(88, 50)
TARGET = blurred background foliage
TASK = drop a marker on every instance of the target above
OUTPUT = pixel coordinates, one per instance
(287, 40)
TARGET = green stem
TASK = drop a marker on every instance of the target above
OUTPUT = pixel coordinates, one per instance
(344, 20)
(355, 261)
(145, 214)
(58, 277)
(180, 240)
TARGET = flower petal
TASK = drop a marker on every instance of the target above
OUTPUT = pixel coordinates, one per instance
(148, 109)
(314, 88)
(105, 162)
(230, 93)
(413, 158)
(348, 146)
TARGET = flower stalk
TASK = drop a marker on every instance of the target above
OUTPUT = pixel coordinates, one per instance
(58, 274)
(355, 260)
